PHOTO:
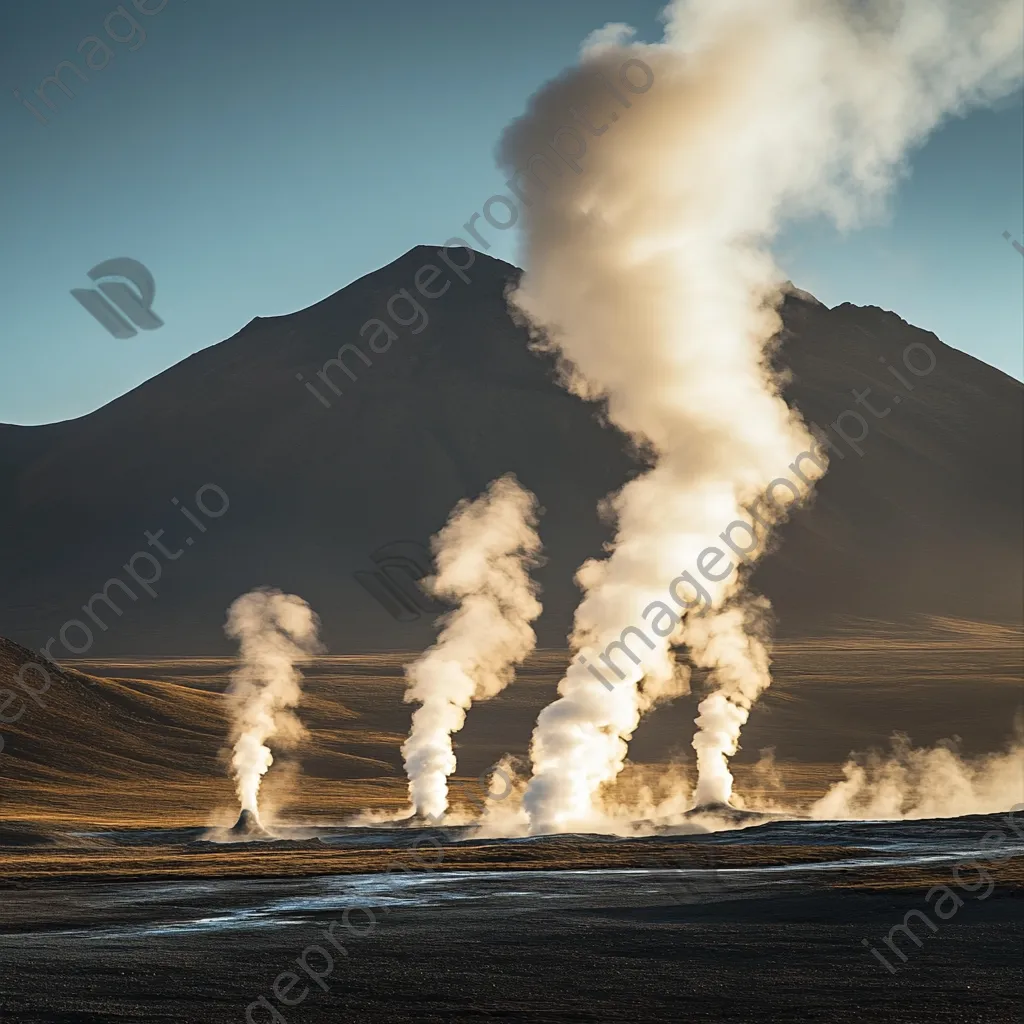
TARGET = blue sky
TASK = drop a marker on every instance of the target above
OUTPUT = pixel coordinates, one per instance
(258, 155)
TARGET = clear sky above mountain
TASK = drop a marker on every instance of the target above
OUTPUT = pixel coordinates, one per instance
(258, 155)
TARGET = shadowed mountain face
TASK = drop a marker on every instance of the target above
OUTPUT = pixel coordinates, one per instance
(254, 479)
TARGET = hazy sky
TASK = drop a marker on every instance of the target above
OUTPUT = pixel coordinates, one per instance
(258, 155)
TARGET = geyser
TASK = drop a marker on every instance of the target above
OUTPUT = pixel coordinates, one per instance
(484, 555)
(248, 826)
(732, 815)
(648, 270)
(275, 631)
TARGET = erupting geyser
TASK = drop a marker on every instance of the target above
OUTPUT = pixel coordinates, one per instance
(484, 555)
(248, 826)
(649, 270)
(274, 631)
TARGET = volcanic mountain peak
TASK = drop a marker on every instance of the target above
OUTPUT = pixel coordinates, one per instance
(320, 489)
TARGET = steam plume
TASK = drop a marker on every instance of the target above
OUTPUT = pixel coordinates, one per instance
(650, 273)
(274, 631)
(930, 782)
(483, 555)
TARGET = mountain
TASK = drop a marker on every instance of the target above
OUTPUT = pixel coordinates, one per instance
(333, 496)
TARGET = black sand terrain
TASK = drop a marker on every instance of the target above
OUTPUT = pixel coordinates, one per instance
(426, 942)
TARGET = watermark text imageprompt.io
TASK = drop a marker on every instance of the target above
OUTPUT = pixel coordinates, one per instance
(120, 26)
(567, 147)
(76, 636)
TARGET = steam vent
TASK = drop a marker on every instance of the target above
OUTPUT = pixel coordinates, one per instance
(723, 811)
(248, 826)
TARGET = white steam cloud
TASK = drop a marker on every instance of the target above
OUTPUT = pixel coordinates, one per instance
(484, 556)
(649, 270)
(275, 631)
(926, 782)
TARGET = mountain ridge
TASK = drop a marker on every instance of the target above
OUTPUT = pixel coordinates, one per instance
(454, 400)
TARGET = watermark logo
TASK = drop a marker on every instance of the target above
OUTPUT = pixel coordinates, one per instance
(133, 304)
(395, 583)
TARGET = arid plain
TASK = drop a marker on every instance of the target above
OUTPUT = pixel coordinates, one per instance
(110, 889)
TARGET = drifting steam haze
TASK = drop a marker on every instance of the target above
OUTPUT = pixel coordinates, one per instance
(275, 631)
(484, 555)
(649, 270)
(929, 782)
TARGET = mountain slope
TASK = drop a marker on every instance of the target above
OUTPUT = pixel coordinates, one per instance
(927, 520)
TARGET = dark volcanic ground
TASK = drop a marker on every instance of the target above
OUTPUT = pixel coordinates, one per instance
(749, 944)
(571, 949)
